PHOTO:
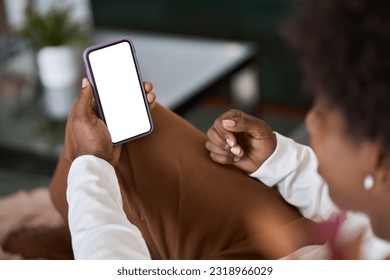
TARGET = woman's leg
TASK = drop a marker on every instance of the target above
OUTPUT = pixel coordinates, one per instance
(186, 205)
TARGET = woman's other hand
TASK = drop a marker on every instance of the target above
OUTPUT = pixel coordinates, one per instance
(241, 140)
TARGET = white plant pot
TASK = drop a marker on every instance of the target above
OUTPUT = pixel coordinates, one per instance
(58, 67)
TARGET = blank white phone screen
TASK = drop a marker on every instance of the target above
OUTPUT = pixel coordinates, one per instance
(119, 90)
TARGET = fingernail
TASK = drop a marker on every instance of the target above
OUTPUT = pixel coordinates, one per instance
(84, 83)
(236, 150)
(236, 159)
(230, 142)
(228, 123)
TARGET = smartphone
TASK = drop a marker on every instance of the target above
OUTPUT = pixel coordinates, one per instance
(113, 72)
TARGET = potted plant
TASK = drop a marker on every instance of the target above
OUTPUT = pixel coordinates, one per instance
(54, 37)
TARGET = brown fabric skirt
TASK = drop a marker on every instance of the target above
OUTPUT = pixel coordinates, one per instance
(186, 205)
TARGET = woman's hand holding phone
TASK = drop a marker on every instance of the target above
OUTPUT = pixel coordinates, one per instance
(115, 77)
(90, 132)
(150, 96)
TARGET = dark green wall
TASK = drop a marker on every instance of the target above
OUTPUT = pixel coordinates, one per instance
(255, 20)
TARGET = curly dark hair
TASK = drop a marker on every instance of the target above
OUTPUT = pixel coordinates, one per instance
(344, 46)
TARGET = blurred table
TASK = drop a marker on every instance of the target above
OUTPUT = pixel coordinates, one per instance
(181, 69)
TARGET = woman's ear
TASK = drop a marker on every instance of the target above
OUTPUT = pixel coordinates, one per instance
(380, 205)
(382, 173)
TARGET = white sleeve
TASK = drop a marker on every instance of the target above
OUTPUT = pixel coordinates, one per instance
(98, 225)
(293, 169)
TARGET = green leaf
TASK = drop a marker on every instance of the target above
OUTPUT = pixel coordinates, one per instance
(51, 29)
